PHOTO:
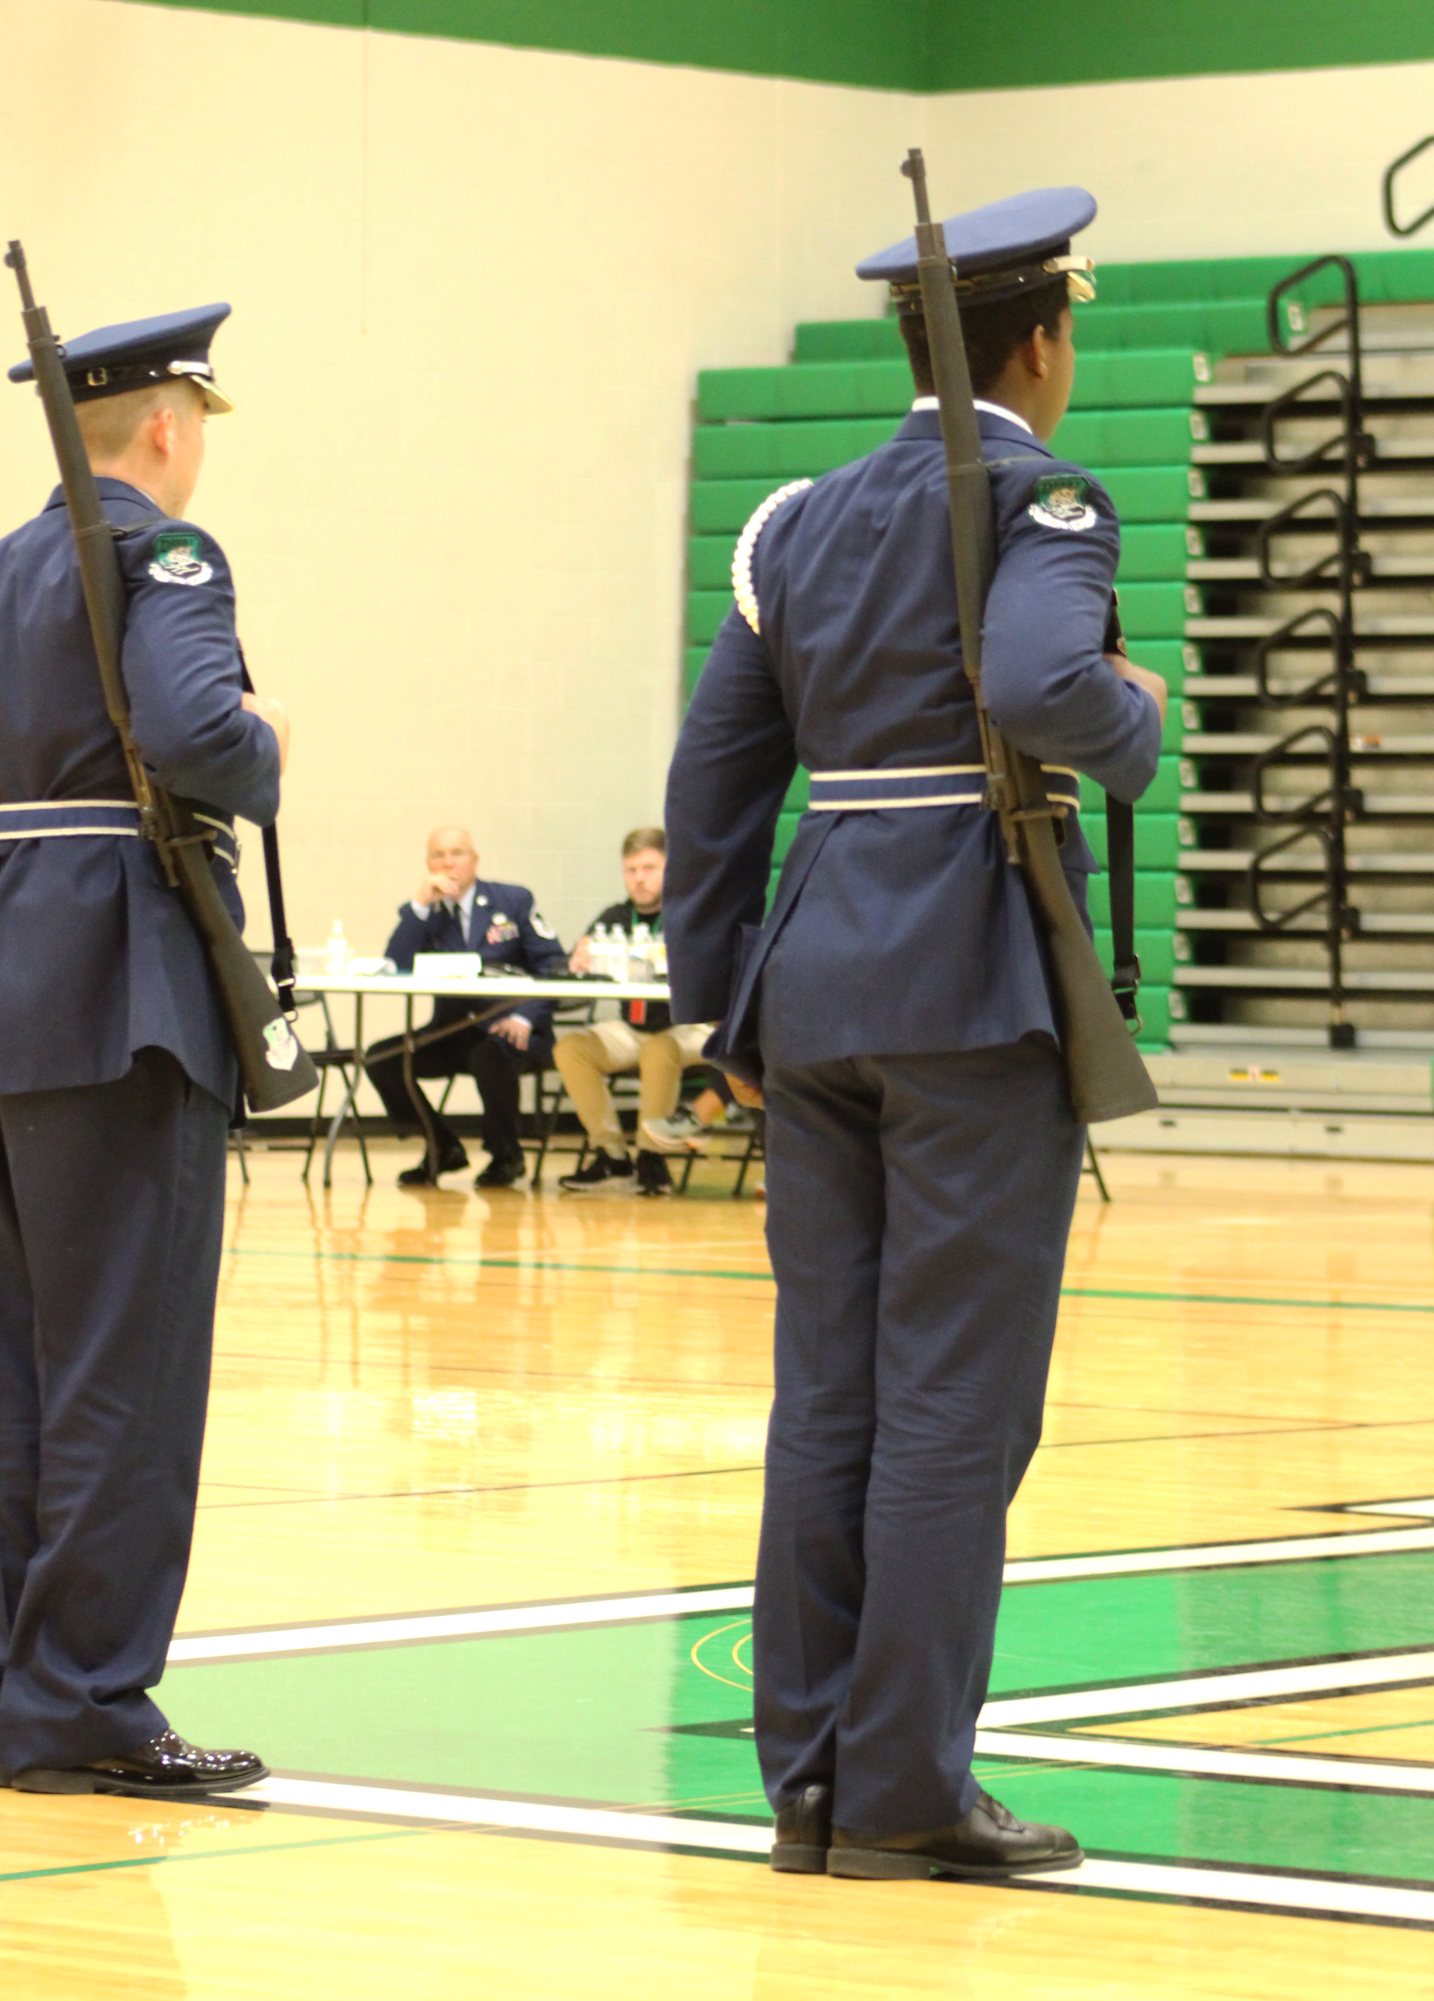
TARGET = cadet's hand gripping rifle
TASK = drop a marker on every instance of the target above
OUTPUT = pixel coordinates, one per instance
(274, 1068)
(1103, 1067)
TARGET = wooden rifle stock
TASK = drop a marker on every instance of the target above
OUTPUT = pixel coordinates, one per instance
(1104, 1070)
(274, 1067)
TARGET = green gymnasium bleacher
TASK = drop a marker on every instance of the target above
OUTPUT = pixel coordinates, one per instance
(1153, 337)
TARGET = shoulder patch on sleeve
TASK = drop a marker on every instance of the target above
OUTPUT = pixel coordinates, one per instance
(1062, 500)
(742, 586)
(176, 558)
(541, 925)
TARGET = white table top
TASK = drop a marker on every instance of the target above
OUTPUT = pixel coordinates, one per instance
(504, 986)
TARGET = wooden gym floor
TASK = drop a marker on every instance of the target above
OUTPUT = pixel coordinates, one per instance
(472, 1571)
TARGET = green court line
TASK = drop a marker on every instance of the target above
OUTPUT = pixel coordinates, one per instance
(1239, 1299)
(211, 1855)
(766, 1278)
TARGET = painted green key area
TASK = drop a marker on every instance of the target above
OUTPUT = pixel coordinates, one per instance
(656, 1713)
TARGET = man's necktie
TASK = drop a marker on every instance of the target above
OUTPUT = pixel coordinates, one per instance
(449, 927)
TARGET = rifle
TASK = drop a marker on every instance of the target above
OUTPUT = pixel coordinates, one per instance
(1107, 1078)
(274, 1067)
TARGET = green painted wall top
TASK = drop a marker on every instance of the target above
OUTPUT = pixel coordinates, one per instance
(923, 45)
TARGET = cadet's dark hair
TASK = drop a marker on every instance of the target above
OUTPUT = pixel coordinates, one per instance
(993, 333)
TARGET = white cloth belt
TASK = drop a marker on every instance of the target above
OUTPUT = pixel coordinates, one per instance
(904, 786)
(64, 819)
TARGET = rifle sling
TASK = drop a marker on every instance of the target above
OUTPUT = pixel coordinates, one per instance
(1120, 862)
(281, 967)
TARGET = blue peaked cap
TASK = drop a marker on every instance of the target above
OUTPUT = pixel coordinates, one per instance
(1021, 230)
(170, 347)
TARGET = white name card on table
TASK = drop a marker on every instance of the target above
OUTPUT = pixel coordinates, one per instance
(442, 966)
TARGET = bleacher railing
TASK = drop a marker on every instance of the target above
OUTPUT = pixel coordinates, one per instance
(1323, 815)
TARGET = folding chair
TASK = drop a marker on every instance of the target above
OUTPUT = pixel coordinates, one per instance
(332, 1057)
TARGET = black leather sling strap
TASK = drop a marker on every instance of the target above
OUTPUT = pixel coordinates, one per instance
(1120, 867)
(281, 966)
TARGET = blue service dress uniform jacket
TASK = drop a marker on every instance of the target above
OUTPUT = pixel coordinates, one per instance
(99, 958)
(904, 931)
(922, 1154)
(116, 1084)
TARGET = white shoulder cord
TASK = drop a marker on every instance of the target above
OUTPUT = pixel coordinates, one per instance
(742, 586)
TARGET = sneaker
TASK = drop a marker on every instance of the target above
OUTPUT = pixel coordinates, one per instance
(450, 1161)
(603, 1175)
(684, 1132)
(653, 1177)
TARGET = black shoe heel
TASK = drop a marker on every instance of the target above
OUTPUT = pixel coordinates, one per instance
(799, 1858)
(877, 1865)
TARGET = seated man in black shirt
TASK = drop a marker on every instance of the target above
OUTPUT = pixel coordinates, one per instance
(453, 911)
(644, 1040)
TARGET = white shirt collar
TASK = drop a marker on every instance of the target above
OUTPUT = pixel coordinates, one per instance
(991, 409)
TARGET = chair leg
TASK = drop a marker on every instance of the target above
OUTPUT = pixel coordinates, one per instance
(547, 1124)
(316, 1124)
(1094, 1159)
(359, 1135)
(746, 1161)
(686, 1176)
(238, 1133)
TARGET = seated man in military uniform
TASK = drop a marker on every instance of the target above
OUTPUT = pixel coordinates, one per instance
(453, 911)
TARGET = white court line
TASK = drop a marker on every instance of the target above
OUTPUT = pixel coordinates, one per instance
(527, 1816)
(1316, 1896)
(1423, 1505)
(1220, 1555)
(415, 1629)
(454, 1625)
(1303, 1768)
(1312, 1896)
(1204, 1691)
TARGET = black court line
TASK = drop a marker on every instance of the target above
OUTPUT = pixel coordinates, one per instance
(506, 1487)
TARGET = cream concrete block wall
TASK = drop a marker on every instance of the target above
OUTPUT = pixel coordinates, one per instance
(472, 289)
(1218, 166)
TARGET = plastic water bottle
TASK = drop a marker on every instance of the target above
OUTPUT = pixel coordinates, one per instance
(336, 954)
(639, 965)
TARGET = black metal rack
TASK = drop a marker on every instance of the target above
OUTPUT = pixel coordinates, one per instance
(1306, 857)
(1325, 814)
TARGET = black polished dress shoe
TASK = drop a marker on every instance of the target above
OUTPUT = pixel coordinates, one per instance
(450, 1161)
(988, 1841)
(165, 1768)
(502, 1173)
(804, 1833)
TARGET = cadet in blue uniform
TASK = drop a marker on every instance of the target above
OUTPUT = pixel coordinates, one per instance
(455, 912)
(117, 1081)
(923, 1157)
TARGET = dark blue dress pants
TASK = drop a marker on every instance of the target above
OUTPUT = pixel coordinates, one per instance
(918, 1208)
(111, 1221)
